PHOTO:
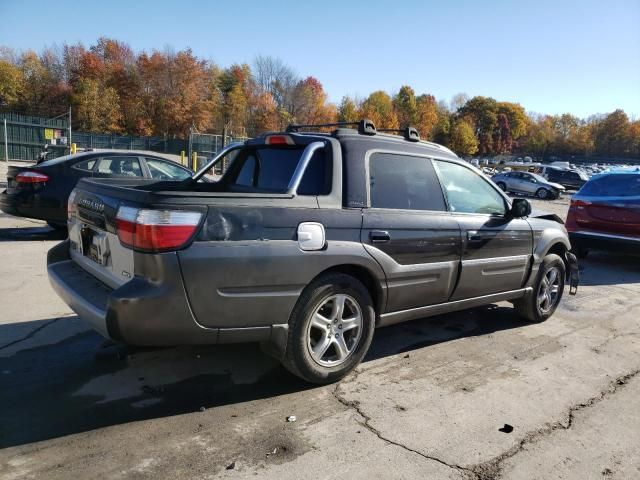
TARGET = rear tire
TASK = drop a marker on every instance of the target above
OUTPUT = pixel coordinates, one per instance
(542, 194)
(547, 292)
(330, 329)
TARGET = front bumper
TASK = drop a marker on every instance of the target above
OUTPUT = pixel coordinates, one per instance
(573, 272)
(144, 312)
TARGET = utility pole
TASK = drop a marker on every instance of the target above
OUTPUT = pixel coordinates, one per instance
(6, 143)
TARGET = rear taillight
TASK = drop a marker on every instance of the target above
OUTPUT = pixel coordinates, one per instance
(580, 203)
(575, 207)
(71, 206)
(31, 176)
(156, 230)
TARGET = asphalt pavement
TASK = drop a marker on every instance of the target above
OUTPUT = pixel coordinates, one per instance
(477, 394)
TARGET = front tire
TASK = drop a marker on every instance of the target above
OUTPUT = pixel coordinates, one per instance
(330, 329)
(542, 193)
(547, 291)
(502, 186)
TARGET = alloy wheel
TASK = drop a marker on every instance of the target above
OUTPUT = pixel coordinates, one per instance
(334, 330)
(549, 290)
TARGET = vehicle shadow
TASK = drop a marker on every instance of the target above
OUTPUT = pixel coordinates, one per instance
(32, 234)
(606, 268)
(82, 382)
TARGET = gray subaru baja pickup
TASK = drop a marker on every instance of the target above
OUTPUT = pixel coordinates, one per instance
(307, 243)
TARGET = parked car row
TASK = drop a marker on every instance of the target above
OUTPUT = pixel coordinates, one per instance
(41, 191)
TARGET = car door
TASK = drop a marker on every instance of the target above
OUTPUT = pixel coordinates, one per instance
(517, 182)
(407, 230)
(496, 248)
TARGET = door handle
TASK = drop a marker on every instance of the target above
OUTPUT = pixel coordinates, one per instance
(379, 236)
(473, 236)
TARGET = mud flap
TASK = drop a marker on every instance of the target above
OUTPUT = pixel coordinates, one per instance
(573, 273)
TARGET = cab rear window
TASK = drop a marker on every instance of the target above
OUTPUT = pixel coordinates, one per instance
(270, 169)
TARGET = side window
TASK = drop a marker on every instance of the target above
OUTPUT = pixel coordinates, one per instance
(163, 170)
(247, 172)
(467, 191)
(404, 182)
(120, 166)
(86, 165)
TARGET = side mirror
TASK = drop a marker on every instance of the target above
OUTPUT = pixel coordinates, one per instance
(520, 207)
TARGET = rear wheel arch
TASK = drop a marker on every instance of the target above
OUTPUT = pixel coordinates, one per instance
(365, 276)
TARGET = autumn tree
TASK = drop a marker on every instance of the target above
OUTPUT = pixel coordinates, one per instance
(462, 138)
(441, 132)
(481, 113)
(613, 135)
(310, 103)
(348, 110)
(272, 75)
(426, 116)
(11, 84)
(378, 107)
(406, 106)
(97, 107)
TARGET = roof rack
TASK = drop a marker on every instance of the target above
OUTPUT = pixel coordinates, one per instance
(365, 127)
(409, 133)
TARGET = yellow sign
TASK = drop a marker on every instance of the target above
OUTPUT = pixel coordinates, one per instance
(48, 133)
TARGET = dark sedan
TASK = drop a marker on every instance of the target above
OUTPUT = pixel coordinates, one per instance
(41, 191)
(605, 213)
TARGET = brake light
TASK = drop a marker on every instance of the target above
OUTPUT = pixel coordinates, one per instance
(575, 208)
(71, 206)
(279, 140)
(156, 230)
(580, 203)
(32, 176)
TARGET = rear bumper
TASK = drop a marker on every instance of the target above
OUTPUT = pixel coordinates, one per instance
(31, 205)
(142, 312)
(605, 241)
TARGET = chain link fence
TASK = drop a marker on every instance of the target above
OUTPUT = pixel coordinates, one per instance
(26, 137)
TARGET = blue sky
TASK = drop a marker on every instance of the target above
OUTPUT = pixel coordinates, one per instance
(558, 56)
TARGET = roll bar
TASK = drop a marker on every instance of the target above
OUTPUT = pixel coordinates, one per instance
(216, 159)
(294, 183)
(303, 163)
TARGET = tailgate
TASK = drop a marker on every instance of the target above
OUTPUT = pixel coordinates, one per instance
(94, 241)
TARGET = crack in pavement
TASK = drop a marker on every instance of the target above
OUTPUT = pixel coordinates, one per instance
(492, 469)
(366, 423)
(30, 334)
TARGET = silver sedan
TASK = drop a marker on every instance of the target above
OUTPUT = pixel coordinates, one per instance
(529, 183)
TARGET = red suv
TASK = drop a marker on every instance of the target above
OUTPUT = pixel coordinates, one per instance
(605, 213)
